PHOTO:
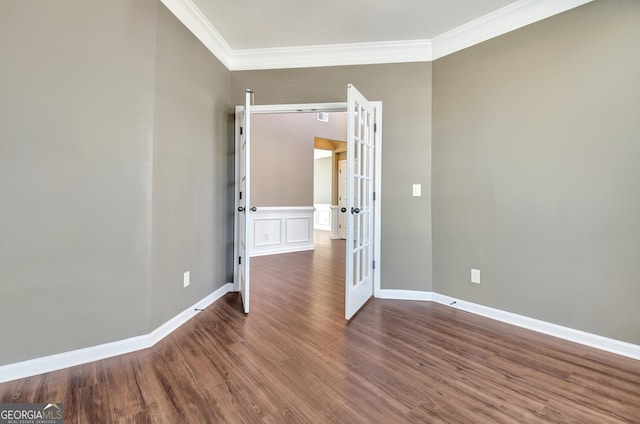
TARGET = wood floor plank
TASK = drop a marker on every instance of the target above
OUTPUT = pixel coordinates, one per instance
(294, 359)
(95, 405)
(284, 416)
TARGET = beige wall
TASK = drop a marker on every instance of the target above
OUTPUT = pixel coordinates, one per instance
(405, 90)
(282, 156)
(281, 161)
(535, 170)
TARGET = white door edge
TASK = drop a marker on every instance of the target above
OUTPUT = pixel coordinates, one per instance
(377, 183)
(236, 204)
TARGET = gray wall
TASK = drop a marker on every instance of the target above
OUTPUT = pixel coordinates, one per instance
(76, 128)
(80, 117)
(405, 90)
(190, 171)
(535, 170)
(322, 180)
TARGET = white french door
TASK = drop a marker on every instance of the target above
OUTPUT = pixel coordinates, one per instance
(363, 177)
(243, 188)
(360, 203)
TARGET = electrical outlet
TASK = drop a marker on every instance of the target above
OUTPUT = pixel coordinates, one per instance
(475, 276)
(187, 278)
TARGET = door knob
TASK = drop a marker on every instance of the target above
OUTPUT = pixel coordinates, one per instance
(253, 209)
(240, 209)
(355, 210)
(343, 210)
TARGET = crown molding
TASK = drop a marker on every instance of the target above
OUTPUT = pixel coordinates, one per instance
(332, 55)
(502, 21)
(191, 17)
(499, 22)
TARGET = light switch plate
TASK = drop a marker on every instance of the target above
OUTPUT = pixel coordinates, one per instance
(187, 278)
(417, 190)
(475, 276)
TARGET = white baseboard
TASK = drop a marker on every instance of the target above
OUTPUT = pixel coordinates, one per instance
(95, 353)
(405, 295)
(174, 323)
(582, 337)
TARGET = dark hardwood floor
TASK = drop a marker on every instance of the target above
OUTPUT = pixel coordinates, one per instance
(294, 359)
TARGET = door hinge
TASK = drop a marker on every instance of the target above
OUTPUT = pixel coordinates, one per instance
(374, 196)
(375, 128)
(239, 260)
(374, 264)
(240, 130)
(240, 195)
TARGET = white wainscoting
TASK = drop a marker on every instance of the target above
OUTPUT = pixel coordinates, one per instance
(322, 217)
(325, 218)
(335, 210)
(281, 230)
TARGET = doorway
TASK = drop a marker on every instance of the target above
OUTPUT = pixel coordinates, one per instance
(328, 154)
(363, 247)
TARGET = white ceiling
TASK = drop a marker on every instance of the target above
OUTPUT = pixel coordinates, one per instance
(256, 24)
(271, 34)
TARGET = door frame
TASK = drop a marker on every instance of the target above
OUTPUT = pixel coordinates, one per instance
(314, 108)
